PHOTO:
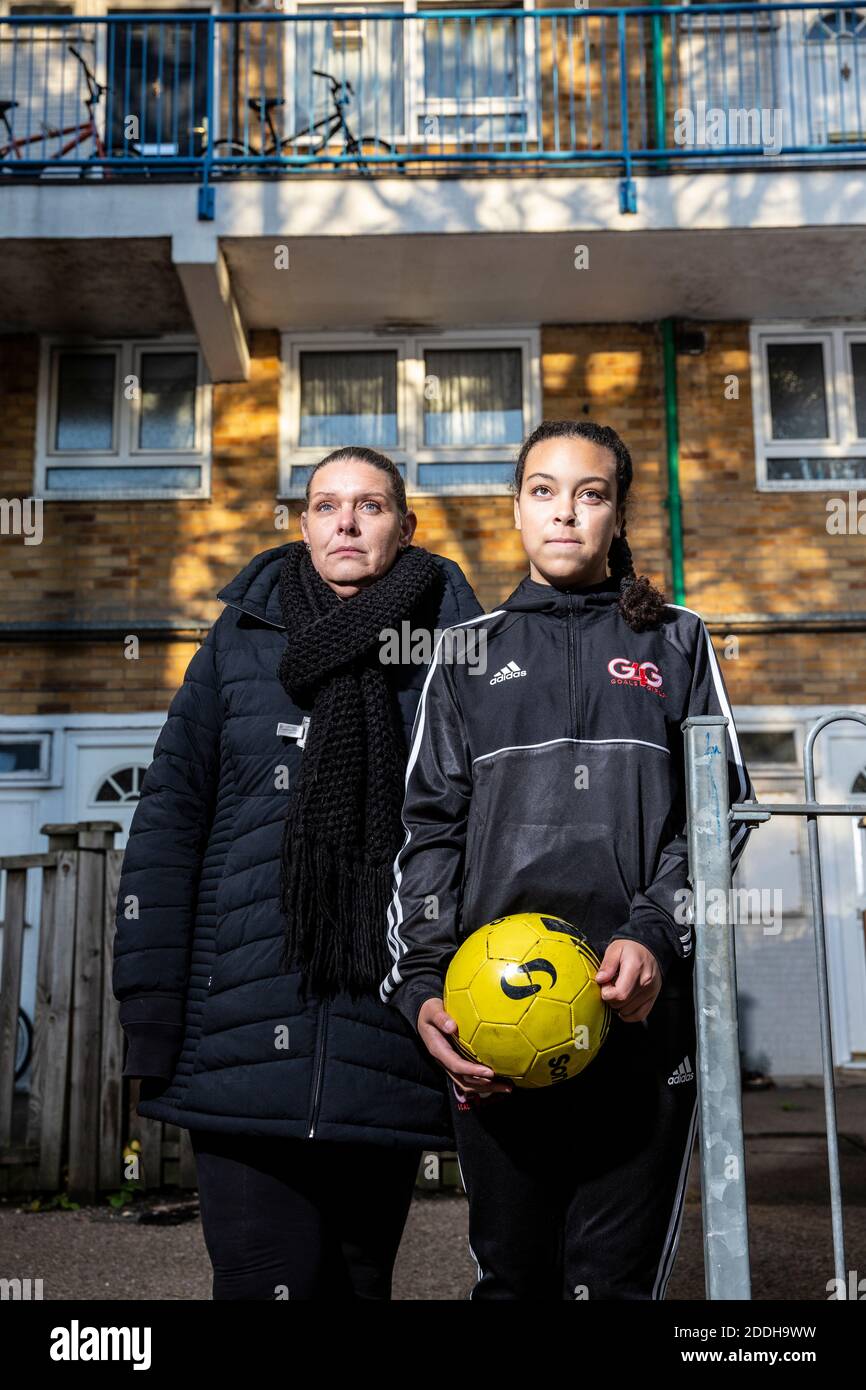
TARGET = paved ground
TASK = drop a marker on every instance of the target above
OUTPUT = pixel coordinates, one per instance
(92, 1254)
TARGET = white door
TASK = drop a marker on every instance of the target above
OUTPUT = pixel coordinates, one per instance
(843, 861)
(104, 769)
(821, 61)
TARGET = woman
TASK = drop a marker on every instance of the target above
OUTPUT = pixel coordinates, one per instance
(561, 782)
(254, 886)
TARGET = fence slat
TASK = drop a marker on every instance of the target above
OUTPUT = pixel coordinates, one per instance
(10, 995)
(111, 1060)
(86, 1017)
(47, 920)
(51, 1038)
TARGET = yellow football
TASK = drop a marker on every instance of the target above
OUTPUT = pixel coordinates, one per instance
(522, 991)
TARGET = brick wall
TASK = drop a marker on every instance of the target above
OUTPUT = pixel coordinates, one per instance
(745, 550)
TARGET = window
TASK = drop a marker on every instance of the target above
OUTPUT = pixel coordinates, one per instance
(348, 395)
(836, 24)
(476, 74)
(466, 80)
(809, 391)
(124, 784)
(123, 419)
(354, 48)
(450, 409)
(768, 746)
(25, 757)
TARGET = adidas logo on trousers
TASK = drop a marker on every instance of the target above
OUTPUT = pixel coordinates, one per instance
(683, 1073)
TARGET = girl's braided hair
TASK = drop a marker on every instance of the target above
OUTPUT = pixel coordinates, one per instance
(640, 602)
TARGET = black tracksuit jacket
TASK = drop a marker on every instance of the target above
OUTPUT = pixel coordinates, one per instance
(554, 783)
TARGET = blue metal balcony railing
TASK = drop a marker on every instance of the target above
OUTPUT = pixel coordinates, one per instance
(648, 87)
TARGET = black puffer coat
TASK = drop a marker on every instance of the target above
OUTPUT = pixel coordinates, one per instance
(222, 1037)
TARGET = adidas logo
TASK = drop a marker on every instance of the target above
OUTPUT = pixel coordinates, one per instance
(683, 1073)
(507, 673)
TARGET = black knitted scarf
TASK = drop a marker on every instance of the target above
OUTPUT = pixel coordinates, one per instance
(343, 827)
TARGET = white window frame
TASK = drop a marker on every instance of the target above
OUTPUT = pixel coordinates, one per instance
(125, 452)
(95, 805)
(409, 449)
(29, 777)
(791, 767)
(417, 105)
(843, 441)
(353, 8)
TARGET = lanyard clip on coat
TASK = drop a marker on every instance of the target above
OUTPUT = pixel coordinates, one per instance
(297, 731)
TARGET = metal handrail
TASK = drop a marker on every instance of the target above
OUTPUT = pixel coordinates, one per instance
(549, 89)
(710, 817)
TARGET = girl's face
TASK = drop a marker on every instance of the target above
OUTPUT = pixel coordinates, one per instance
(353, 525)
(566, 511)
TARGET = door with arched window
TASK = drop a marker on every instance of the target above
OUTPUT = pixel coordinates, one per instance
(841, 766)
(105, 772)
(822, 65)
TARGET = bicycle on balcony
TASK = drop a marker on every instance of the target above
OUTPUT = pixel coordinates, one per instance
(323, 132)
(82, 132)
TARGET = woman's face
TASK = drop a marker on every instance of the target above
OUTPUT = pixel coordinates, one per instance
(353, 526)
(566, 511)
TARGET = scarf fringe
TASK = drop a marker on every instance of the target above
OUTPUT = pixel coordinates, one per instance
(326, 896)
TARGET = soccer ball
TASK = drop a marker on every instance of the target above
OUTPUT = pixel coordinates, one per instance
(523, 993)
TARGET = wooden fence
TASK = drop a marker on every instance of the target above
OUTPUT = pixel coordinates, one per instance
(80, 1114)
(72, 1132)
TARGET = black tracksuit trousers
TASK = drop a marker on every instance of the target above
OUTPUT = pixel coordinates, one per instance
(576, 1191)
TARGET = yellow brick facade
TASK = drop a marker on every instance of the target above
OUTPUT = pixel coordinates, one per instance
(746, 551)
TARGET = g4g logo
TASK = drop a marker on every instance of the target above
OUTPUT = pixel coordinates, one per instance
(645, 673)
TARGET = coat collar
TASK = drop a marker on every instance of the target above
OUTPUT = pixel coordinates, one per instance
(530, 596)
(255, 589)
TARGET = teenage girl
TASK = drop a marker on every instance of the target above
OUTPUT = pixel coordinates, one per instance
(554, 783)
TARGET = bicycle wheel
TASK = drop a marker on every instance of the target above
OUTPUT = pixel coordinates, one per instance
(234, 149)
(372, 145)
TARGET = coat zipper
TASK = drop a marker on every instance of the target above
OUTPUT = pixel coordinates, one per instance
(323, 1006)
(572, 702)
(320, 1065)
(279, 626)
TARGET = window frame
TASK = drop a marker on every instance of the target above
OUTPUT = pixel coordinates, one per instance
(125, 452)
(32, 776)
(410, 449)
(93, 803)
(416, 104)
(842, 441)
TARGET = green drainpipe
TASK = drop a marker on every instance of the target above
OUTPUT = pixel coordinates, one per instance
(659, 91)
(673, 501)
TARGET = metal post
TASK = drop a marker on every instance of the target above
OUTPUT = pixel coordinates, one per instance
(723, 1169)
